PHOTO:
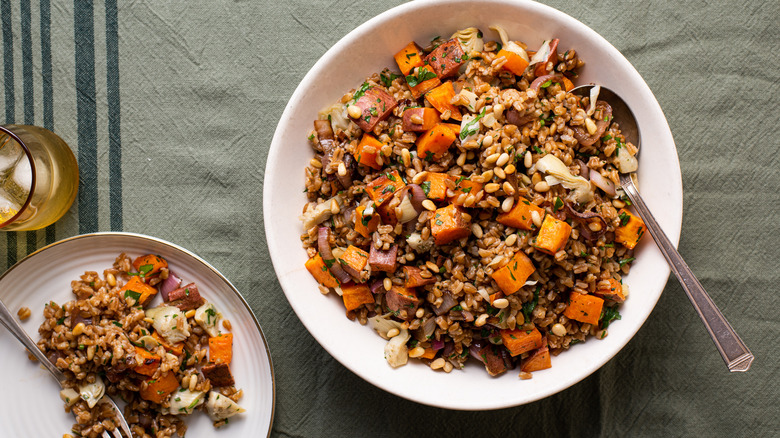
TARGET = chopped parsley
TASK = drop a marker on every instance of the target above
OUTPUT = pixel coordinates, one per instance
(423, 74)
(558, 204)
(133, 294)
(529, 307)
(472, 127)
(387, 79)
(608, 315)
(625, 261)
(426, 187)
(624, 218)
(360, 92)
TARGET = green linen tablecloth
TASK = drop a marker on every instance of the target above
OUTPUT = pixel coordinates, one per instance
(171, 106)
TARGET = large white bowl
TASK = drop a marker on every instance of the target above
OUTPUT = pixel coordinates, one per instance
(369, 48)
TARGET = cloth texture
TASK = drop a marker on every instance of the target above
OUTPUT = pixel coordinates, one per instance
(170, 108)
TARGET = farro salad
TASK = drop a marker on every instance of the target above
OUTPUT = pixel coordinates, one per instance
(465, 205)
(165, 361)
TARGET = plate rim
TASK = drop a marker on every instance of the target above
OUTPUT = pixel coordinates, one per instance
(195, 257)
(275, 151)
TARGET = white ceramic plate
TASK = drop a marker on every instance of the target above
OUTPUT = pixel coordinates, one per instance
(370, 48)
(29, 391)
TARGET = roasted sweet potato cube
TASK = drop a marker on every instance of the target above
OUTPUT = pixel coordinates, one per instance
(514, 274)
(382, 188)
(420, 119)
(446, 58)
(434, 185)
(584, 308)
(448, 224)
(365, 224)
(219, 374)
(521, 215)
(355, 295)
(538, 360)
(552, 236)
(519, 341)
(367, 151)
(613, 291)
(435, 142)
(409, 57)
(631, 229)
(440, 98)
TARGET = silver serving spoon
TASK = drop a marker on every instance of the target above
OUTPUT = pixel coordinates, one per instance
(731, 348)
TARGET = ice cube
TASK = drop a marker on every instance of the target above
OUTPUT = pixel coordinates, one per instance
(10, 153)
(23, 176)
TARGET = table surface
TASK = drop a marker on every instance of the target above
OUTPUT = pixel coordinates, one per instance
(171, 106)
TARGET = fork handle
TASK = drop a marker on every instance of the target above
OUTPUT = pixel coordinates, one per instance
(734, 352)
(8, 320)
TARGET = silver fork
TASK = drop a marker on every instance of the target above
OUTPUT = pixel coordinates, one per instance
(8, 320)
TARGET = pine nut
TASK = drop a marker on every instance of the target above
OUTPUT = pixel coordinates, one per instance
(429, 205)
(432, 266)
(193, 382)
(416, 119)
(79, 329)
(420, 177)
(508, 188)
(558, 329)
(501, 303)
(447, 367)
(334, 207)
(90, 352)
(379, 160)
(416, 352)
(342, 169)
(499, 172)
(393, 332)
(387, 283)
(354, 111)
(507, 204)
(438, 363)
(498, 110)
(481, 320)
(487, 141)
(528, 160)
(190, 313)
(420, 313)
(487, 175)
(316, 163)
(111, 279)
(618, 203)
(536, 218)
(492, 187)
(502, 160)
(595, 226)
(406, 157)
(591, 126)
(227, 324)
(491, 159)
(542, 186)
(476, 230)
(149, 320)
(461, 159)
(510, 169)
(511, 240)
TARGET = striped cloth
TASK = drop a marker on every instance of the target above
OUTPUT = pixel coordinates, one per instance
(170, 107)
(34, 92)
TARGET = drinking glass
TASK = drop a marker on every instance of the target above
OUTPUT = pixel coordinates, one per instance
(39, 177)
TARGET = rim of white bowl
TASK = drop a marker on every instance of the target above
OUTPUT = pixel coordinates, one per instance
(273, 241)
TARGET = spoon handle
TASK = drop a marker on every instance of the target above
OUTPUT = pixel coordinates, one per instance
(731, 348)
(8, 320)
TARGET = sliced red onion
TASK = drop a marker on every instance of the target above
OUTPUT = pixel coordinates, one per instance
(428, 327)
(349, 164)
(169, 284)
(447, 303)
(513, 117)
(325, 140)
(323, 244)
(449, 348)
(377, 287)
(474, 349)
(437, 344)
(584, 219)
(418, 196)
(584, 137)
(542, 79)
(602, 183)
(584, 169)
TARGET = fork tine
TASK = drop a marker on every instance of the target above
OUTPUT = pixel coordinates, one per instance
(122, 425)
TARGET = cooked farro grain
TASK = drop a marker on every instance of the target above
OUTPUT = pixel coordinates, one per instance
(109, 340)
(484, 195)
